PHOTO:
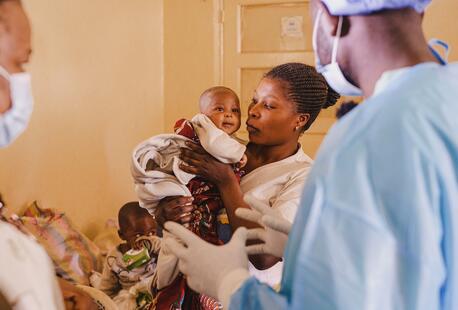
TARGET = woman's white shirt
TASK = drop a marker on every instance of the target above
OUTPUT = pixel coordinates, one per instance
(278, 185)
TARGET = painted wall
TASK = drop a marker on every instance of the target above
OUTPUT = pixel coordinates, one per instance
(189, 55)
(98, 78)
(108, 76)
(440, 22)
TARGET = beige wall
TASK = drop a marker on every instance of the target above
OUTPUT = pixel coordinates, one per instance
(107, 76)
(191, 59)
(97, 76)
(189, 54)
(441, 22)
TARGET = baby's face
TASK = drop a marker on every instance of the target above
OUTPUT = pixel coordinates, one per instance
(138, 227)
(223, 109)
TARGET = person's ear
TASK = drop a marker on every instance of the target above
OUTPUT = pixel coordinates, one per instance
(329, 22)
(302, 119)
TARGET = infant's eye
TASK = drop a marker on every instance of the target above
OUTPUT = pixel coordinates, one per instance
(236, 110)
(219, 109)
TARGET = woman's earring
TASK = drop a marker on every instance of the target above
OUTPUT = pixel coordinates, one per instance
(296, 128)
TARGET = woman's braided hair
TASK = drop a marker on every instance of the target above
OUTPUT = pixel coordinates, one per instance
(306, 88)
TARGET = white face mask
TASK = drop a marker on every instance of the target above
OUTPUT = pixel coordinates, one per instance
(14, 121)
(332, 72)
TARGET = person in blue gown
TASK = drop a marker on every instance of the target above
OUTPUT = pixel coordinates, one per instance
(377, 227)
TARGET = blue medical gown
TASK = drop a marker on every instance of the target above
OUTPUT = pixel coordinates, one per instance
(377, 227)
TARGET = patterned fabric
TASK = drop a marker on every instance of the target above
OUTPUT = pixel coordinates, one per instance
(74, 255)
(117, 276)
(204, 223)
(129, 288)
(206, 195)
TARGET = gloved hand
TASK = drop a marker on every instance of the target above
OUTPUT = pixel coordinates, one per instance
(274, 233)
(217, 271)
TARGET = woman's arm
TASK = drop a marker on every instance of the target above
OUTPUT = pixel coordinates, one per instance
(199, 162)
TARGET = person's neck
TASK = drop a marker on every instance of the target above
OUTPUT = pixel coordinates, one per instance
(266, 154)
(378, 53)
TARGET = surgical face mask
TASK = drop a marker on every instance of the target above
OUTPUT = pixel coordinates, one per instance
(14, 121)
(332, 72)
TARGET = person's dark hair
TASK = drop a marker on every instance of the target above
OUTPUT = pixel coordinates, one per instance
(129, 210)
(217, 89)
(306, 88)
(345, 108)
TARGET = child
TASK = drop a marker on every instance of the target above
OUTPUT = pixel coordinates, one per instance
(157, 175)
(130, 268)
(221, 106)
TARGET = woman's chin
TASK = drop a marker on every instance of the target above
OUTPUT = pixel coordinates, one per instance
(255, 137)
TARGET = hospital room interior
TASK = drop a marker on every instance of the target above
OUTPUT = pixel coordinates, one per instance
(109, 75)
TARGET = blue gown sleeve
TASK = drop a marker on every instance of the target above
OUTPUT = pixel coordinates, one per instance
(256, 295)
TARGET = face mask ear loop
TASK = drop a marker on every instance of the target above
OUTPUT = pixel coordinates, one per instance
(315, 29)
(318, 64)
(336, 40)
(444, 45)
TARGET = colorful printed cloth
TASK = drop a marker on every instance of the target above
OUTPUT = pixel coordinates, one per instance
(130, 288)
(204, 222)
(73, 254)
(209, 206)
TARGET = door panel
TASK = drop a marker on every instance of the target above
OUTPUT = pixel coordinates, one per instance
(258, 35)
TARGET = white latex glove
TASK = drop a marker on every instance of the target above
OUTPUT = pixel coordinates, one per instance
(217, 271)
(274, 233)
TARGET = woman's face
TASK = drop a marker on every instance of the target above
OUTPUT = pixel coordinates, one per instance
(272, 118)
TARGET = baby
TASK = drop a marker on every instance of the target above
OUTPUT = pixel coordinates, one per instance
(222, 107)
(129, 269)
(156, 160)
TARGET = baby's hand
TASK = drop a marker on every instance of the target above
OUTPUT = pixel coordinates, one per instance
(243, 161)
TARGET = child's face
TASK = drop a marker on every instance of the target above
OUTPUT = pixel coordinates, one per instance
(137, 227)
(223, 109)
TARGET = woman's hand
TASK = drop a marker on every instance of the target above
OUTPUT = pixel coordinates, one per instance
(197, 161)
(176, 208)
